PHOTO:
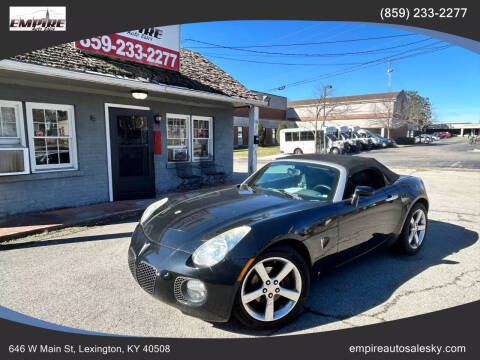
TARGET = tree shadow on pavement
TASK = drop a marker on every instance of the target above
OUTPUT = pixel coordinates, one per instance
(67, 240)
(370, 280)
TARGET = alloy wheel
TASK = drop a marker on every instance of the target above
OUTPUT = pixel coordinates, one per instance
(417, 228)
(271, 289)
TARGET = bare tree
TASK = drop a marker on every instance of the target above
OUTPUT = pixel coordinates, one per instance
(319, 110)
(385, 108)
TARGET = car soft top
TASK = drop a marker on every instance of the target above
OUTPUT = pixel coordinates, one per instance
(350, 163)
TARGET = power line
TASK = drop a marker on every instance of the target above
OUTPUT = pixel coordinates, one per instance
(281, 63)
(367, 66)
(361, 67)
(213, 46)
(364, 65)
(317, 55)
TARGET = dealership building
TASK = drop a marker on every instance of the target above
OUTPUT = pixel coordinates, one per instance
(79, 128)
(385, 114)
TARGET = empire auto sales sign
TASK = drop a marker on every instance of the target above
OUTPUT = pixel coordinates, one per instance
(157, 46)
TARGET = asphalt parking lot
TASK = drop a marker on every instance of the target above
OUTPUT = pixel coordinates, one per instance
(453, 153)
(81, 279)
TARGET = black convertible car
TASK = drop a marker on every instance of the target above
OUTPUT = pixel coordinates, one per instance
(250, 249)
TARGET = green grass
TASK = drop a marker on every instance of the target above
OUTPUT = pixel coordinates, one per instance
(262, 151)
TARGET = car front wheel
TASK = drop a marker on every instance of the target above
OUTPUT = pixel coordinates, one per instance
(273, 290)
(335, 151)
(414, 231)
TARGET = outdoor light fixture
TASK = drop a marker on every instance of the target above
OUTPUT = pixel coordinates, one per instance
(158, 118)
(139, 94)
(266, 98)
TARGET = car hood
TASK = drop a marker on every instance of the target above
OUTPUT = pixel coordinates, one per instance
(186, 221)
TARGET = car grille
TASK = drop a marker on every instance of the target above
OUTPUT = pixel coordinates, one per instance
(144, 273)
(131, 263)
(146, 276)
(177, 289)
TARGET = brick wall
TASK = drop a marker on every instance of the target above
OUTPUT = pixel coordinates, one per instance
(264, 113)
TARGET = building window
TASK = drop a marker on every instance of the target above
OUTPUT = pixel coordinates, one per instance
(13, 150)
(202, 138)
(178, 137)
(239, 135)
(51, 132)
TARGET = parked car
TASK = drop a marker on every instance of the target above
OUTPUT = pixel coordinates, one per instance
(249, 250)
(445, 135)
(423, 138)
(385, 142)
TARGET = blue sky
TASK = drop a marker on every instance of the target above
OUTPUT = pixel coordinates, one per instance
(450, 77)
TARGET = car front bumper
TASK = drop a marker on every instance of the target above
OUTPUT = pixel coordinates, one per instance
(161, 270)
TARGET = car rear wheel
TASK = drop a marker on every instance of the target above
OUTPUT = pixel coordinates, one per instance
(274, 289)
(298, 152)
(414, 230)
(335, 151)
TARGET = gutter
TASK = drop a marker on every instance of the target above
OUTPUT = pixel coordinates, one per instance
(19, 66)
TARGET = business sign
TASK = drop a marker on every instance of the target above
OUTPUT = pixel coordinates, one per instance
(158, 46)
(38, 18)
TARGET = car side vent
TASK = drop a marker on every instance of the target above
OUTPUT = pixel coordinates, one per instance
(146, 275)
(178, 291)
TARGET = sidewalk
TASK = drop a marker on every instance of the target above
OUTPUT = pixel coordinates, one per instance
(17, 226)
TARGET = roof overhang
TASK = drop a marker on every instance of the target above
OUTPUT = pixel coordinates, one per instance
(11, 65)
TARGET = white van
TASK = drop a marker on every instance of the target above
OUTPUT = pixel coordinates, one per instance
(367, 134)
(362, 139)
(302, 141)
(343, 133)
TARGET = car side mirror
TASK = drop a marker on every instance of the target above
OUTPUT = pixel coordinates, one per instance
(361, 191)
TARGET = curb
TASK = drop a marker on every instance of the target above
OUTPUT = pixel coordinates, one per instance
(99, 220)
(435, 169)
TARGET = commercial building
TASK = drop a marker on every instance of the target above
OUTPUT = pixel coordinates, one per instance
(461, 129)
(271, 116)
(385, 114)
(74, 131)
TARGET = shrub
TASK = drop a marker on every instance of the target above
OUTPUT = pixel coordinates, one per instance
(261, 134)
(277, 135)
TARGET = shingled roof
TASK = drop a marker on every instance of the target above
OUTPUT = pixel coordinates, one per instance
(196, 72)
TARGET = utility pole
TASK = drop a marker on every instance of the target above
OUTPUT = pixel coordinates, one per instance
(389, 72)
(324, 145)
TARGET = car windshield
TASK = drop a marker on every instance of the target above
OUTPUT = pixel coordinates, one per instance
(346, 135)
(332, 137)
(296, 180)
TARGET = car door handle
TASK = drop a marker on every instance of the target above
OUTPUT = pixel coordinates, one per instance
(391, 197)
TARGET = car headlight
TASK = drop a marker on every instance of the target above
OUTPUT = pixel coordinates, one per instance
(214, 250)
(151, 209)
